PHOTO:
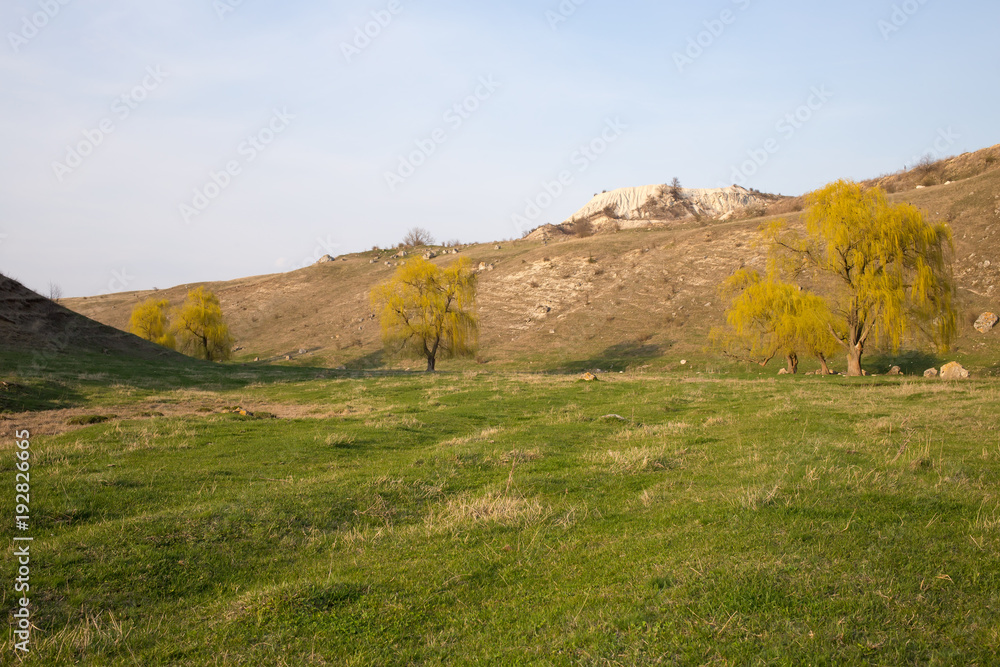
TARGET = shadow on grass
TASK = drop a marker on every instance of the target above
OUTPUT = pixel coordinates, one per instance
(35, 395)
(910, 362)
(618, 357)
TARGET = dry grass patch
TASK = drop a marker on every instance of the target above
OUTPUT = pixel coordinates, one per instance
(489, 435)
(493, 508)
(651, 431)
(519, 456)
(637, 460)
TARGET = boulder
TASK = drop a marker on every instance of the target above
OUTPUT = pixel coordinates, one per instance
(954, 371)
(931, 373)
(324, 259)
(895, 370)
(588, 377)
(783, 371)
(986, 322)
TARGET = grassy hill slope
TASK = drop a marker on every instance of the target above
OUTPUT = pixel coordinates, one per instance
(631, 298)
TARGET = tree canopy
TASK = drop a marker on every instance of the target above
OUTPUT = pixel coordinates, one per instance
(886, 267)
(766, 317)
(200, 328)
(150, 321)
(429, 311)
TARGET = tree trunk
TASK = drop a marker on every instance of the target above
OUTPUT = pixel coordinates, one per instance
(854, 360)
(431, 361)
(824, 369)
(793, 363)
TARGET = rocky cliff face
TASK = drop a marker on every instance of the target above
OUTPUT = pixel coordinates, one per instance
(633, 207)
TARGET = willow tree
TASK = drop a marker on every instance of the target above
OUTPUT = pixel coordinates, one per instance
(200, 328)
(429, 311)
(766, 316)
(149, 320)
(888, 268)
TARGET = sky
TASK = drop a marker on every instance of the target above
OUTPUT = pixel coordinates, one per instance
(177, 141)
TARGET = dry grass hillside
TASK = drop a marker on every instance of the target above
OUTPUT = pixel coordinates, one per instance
(629, 298)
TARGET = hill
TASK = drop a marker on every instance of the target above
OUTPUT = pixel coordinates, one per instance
(631, 297)
(33, 326)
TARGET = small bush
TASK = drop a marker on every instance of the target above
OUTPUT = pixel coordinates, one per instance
(418, 236)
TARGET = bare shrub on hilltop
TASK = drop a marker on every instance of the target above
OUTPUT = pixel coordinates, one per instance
(418, 236)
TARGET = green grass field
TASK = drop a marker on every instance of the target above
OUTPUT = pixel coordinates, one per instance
(478, 518)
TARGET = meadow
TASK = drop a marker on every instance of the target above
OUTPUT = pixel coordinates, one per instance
(507, 518)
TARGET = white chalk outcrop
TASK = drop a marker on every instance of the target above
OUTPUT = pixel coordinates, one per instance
(661, 202)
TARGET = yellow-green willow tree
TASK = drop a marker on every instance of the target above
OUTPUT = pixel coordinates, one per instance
(200, 328)
(766, 317)
(886, 268)
(149, 320)
(429, 311)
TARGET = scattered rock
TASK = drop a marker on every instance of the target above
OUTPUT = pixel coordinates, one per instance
(895, 370)
(612, 417)
(498, 247)
(954, 371)
(324, 259)
(256, 358)
(783, 371)
(302, 350)
(430, 254)
(931, 373)
(588, 377)
(986, 322)
(288, 357)
(684, 362)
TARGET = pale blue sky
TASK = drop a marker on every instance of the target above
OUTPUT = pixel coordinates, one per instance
(202, 80)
